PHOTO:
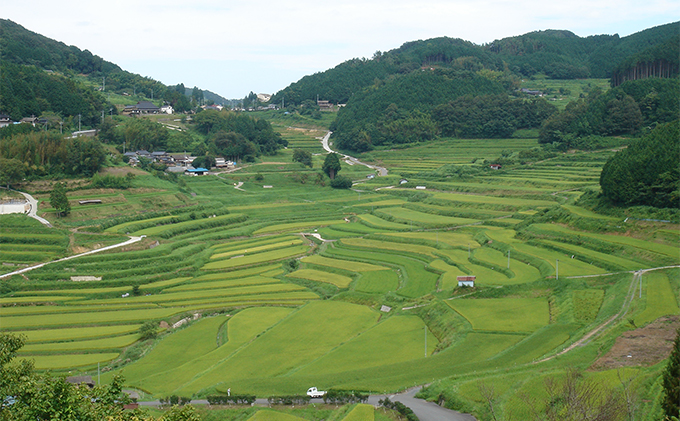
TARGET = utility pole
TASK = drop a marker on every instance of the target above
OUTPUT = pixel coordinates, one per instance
(104, 84)
(557, 269)
(508, 259)
(425, 341)
(79, 122)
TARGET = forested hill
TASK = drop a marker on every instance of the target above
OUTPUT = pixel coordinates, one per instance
(556, 54)
(20, 46)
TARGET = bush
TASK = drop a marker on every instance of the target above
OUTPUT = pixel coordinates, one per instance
(341, 397)
(289, 400)
(174, 400)
(230, 399)
(341, 182)
(399, 407)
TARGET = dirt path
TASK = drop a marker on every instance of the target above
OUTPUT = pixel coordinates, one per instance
(132, 240)
(622, 313)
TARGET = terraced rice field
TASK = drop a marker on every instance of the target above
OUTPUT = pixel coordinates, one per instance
(234, 274)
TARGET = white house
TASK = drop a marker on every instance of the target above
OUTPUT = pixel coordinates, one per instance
(466, 281)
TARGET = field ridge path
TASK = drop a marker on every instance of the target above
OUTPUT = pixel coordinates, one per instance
(624, 310)
(132, 240)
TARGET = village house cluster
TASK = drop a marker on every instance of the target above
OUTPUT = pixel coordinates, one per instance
(175, 162)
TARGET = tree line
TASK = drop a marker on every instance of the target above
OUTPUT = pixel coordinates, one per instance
(555, 54)
(625, 109)
(32, 153)
(27, 90)
(423, 105)
(647, 173)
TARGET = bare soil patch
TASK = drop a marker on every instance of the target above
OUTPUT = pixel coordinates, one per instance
(121, 171)
(645, 346)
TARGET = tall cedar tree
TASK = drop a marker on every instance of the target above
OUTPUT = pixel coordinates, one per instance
(331, 165)
(59, 201)
(671, 382)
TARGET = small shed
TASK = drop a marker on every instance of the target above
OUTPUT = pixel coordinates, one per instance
(78, 380)
(495, 166)
(466, 281)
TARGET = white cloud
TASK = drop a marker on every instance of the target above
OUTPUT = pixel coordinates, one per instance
(265, 43)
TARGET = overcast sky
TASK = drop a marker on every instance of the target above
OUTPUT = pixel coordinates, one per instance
(234, 47)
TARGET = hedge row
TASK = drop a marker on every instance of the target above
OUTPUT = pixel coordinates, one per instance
(230, 399)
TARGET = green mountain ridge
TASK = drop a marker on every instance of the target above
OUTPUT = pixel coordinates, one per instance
(557, 54)
(19, 45)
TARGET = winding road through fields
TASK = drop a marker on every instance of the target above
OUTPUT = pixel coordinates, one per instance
(382, 171)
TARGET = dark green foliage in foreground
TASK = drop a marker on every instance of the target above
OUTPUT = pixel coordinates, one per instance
(29, 396)
(647, 172)
(671, 381)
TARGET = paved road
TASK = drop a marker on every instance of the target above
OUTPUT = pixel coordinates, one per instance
(382, 171)
(425, 411)
(32, 212)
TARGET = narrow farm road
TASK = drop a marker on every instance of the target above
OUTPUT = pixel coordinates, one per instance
(132, 240)
(382, 171)
(425, 411)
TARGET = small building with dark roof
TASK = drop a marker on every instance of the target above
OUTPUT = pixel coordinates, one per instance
(78, 380)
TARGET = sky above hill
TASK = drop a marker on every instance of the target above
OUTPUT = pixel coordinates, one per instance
(234, 47)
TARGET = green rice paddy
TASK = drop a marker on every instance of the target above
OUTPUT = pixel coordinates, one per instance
(373, 305)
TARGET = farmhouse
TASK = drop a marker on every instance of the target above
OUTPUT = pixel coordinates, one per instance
(4, 120)
(142, 107)
(466, 281)
(324, 105)
(196, 171)
(495, 166)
